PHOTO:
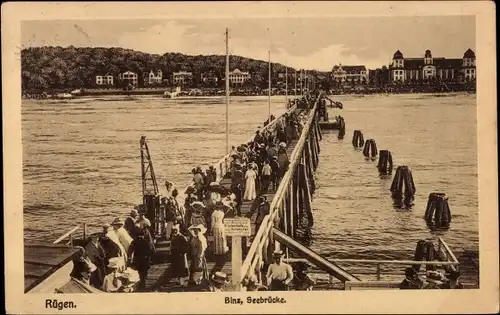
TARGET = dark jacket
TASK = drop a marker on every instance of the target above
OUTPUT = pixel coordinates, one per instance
(142, 250)
(98, 257)
(129, 225)
(110, 249)
(407, 284)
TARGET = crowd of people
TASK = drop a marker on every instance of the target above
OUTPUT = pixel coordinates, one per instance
(434, 280)
(118, 259)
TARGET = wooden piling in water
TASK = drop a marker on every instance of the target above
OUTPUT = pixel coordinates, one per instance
(370, 149)
(437, 212)
(403, 186)
(357, 139)
(385, 162)
(341, 127)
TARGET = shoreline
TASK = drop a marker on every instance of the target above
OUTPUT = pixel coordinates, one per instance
(159, 93)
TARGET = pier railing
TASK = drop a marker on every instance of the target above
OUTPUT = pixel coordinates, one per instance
(69, 236)
(263, 238)
(446, 255)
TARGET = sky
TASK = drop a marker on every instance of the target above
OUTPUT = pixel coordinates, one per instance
(308, 43)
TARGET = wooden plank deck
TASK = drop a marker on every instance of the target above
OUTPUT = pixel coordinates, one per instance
(41, 260)
(159, 278)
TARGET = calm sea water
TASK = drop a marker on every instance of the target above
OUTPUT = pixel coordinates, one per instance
(82, 164)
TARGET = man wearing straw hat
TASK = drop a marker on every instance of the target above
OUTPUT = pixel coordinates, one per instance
(112, 282)
(435, 280)
(129, 224)
(279, 274)
(217, 281)
(123, 236)
(129, 278)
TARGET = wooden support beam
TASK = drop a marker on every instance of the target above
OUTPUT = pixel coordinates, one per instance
(287, 221)
(316, 141)
(271, 246)
(310, 167)
(295, 205)
(318, 130)
(291, 226)
(307, 194)
(314, 155)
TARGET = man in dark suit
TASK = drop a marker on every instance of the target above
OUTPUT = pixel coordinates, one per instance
(97, 256)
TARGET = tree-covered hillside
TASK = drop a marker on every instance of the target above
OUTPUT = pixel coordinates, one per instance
(71, 67)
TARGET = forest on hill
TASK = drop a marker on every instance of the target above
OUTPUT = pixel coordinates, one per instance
(72, 67)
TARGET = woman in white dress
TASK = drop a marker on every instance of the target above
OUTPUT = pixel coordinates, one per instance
(250, 176)
(218, 230)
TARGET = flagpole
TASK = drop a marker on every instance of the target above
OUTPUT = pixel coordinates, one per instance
(286, 85)
(227, 90)
(301, 80)
(306, 82)
(295, 90)
(269, 52)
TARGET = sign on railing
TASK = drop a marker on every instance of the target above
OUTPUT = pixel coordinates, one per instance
(237, 227)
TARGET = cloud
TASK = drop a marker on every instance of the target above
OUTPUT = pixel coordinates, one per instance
(158, 39)
(176, 36)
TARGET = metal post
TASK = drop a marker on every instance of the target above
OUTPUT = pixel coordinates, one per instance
(84, 231)
(295, 89)
(269, 92)
(301, 85)
(286, 86)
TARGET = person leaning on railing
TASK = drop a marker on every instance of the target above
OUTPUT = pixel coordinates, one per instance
(411, 281)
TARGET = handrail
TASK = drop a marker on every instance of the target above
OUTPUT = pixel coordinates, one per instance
(67, 234)
(268, 221)
(387, 262)
(448, 250)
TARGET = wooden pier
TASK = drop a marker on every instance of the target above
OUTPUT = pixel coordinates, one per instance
(290, 211)
(291, 207)
(303, 153)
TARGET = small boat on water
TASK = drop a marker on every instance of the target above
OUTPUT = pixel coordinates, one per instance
(64, 96)
(172, 94)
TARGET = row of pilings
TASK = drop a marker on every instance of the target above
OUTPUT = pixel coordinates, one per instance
(437, 213)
